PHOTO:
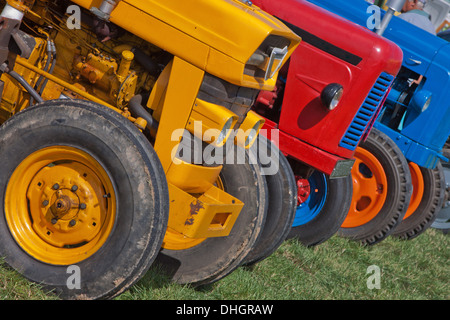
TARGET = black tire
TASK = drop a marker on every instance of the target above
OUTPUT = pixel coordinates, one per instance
(442, 221)
(430, 205)
(399, 190)
(137, 179)
(282, 193)
(215, 258)
(329, 220)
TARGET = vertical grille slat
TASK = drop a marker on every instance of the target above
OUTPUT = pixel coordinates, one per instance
(367, 110)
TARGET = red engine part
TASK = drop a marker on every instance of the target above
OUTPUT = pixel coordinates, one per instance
(303, 190)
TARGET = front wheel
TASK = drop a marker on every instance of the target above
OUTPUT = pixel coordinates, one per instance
(83, 199)
(281, 201)
(442, 221)
(207, 260)
(322, 205)
(420, 218)
(381, 190)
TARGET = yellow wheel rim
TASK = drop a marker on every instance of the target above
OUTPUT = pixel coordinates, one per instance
(60, 205)
(174, 240)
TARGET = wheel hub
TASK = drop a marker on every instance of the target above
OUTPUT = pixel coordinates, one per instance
(65, 204)
(303, 190)
(63, 221)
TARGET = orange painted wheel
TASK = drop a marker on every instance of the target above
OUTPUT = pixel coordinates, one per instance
(418, 188)
(369, 189)
(381, 190)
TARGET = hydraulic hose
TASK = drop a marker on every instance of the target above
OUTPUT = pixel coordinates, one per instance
(137, 110)
(26, 85)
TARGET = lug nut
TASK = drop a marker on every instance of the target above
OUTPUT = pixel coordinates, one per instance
(72, 223)
(82, 206)
(54, 221)
(55, 186)
(74, 188)
(45, 203)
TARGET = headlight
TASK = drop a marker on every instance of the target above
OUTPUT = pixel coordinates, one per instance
(225, 132)
(249, 130)
(331, 95)
(252, 135)
(421, 100)
(211, 122)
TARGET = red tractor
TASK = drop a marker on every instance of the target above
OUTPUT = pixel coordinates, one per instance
(325, 102)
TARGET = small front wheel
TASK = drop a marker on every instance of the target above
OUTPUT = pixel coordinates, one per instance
(323, 204)
(420, 218)
(381, 190)
(282, 192)
(206, 260)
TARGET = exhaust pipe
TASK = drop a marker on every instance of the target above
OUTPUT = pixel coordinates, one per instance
(105, 9)
(138, 110)
(393, 6)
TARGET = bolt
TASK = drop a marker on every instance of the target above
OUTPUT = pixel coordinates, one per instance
(54, 221)
(45, 203)
(82, 206)
(74, 188)
(55, 186)
(72, 223)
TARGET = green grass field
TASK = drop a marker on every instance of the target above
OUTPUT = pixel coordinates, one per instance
(335, 270)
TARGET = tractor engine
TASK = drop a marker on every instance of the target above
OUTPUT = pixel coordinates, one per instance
(84, 61)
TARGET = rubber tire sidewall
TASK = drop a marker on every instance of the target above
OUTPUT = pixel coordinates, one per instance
(430, 205)
(282, 200)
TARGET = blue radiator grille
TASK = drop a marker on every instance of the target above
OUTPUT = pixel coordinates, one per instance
(374, 98)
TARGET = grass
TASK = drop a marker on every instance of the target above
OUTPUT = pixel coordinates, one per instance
(335, 270)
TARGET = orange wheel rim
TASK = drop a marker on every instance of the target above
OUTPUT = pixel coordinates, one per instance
(369, 189)
(418, 188)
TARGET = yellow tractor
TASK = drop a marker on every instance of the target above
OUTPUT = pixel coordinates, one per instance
(111, 112)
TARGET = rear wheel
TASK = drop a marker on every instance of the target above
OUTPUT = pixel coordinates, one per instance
(80, 187)
(204, 261)
(281, 205)
(381, 190)
(322, 205)
(419, 218)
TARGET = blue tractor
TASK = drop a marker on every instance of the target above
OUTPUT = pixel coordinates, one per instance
(398, 179)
